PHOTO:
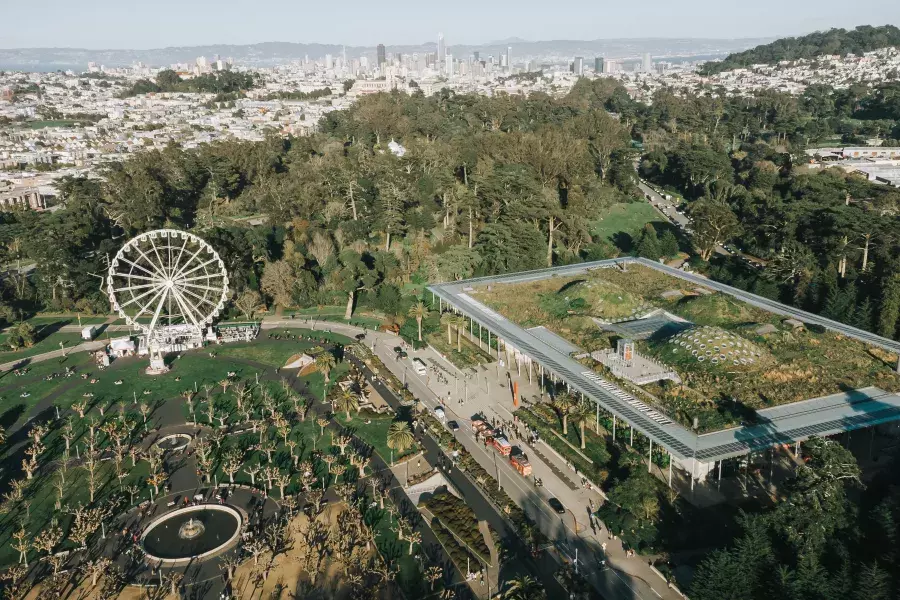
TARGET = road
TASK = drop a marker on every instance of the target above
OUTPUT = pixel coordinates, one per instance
(543, 568)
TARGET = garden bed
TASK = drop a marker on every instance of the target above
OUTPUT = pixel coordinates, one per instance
(456, 516)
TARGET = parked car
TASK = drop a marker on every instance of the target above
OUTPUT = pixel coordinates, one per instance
(556, 505)
(440, 414)
(453, 425)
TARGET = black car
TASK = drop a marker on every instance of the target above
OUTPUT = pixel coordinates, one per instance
(401, 353)
(556, 505)
(453, 425)
(360, 336)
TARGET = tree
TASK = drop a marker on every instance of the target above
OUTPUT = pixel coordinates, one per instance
(448, 319)
(637, 494)
(21, 545)
(325, 363)
(889, 311)
(563, 403)
(418, 312)
(278, 282)
(647, 245)
(581, 414)
(714, 224)
(668, 244)
(248, 302)
(524, 587)
(432, 574)
(399, 437)
(232, 463)
(346, 401)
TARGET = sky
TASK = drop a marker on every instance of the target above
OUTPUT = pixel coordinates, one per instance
(130, 24)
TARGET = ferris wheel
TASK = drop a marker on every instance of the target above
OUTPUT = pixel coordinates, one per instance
(167, 281)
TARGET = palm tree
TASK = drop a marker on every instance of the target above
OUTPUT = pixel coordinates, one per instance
(449, 320)
(524, 587)
(581, 414)
(347, 401)
(563, 403)
(325, 363)
(460, 323)
(418, 312)
(399, 437)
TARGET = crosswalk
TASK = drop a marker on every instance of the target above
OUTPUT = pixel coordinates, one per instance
(656, 416)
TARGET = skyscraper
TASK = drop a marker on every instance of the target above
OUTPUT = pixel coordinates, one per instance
(448, 58)
(647, 63)
(578, 66)
(598, 64)
(380, 56)
(442, 49)
(509, 57)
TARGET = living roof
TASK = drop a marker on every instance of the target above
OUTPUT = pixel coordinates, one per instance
(508, 316)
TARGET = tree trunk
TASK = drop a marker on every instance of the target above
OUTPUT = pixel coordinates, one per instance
(349, 312)
(459, 339)
(449, 334)
(582, 435)
(565, 424)
(387, 243)
(471, 228)
(352, 202)
(865, 261)
(550, 244)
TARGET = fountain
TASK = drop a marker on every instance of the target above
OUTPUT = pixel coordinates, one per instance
(192, 533)
(191, 529)
(174, 442)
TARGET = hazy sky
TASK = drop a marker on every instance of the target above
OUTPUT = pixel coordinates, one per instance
(159, 23)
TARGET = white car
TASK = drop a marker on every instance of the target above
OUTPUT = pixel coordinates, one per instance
(440, 414)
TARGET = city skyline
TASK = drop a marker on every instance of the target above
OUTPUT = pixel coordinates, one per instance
(204, 22)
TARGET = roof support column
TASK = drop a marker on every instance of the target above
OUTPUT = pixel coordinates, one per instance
(479, 336)
(670, 470)
(631, 428)
(542, 381)
(614, 426)
(650, 456)
(597, 420)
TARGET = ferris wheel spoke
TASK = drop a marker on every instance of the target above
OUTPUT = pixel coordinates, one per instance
(200, 266)
(137, 287)
(198, 297)
(159, 271)
(146, 306)
(138, 297)
(175, 265)
(197, 277)
(162, 265)
(186, 308)
(218, 290)
(137, 266)
(133, 276)
(159, 306)
(187, 263)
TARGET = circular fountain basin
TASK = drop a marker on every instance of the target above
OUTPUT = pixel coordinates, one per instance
(192, 533)
(174, 442)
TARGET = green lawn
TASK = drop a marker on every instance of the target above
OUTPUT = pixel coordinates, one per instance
(374, 433)
(45, 344)
(269, 352)
(627, 218)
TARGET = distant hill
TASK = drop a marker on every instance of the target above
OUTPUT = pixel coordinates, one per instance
(864, 38)
(273, 53)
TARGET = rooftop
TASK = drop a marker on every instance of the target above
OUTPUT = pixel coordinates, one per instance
(832, 412)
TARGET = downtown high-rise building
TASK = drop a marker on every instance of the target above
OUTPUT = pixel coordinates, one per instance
(441, 49)
(598, 64)
(476, 55)
(509, 57)
(646, 63)
(380, 56)
(578, 66)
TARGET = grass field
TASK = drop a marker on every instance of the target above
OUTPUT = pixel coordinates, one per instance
(625, 218)
(374, 433)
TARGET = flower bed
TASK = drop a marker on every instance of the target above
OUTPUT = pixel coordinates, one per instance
(598, 471)
(455, 514)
